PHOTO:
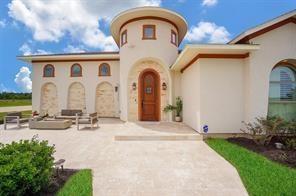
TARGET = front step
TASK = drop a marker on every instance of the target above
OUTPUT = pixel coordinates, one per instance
(195, 137)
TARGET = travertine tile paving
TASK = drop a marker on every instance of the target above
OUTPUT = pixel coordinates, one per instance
(141, 167)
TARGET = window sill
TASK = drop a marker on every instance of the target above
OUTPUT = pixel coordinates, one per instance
(293, 102)
(145, 38)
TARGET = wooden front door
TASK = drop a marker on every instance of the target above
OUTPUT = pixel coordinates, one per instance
(149, 96)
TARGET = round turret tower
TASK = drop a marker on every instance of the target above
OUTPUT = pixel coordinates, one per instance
(148, 38)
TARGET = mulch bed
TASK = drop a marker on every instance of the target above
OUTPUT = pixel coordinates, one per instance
(283, 156)
(57, 182)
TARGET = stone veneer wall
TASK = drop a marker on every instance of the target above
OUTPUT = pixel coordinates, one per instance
(133, 94)
(105, 103)
(49, 99)
(76, 96)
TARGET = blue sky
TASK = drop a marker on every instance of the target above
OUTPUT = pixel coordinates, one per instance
(57, 26)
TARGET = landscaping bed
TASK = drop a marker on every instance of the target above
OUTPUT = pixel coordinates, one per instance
(57, 182)
(283, 156)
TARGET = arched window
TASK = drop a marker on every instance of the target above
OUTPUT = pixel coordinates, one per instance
(48, 71)
(282, 92)
(76, 70)
(104, 70)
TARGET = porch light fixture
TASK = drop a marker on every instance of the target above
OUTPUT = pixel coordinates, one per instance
(134, 86)
(164, 86)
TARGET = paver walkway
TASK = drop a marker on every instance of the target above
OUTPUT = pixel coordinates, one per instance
(141, 167)
(15, 108)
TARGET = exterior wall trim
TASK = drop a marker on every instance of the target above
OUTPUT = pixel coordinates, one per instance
(147, 18)
(215, 56)
(266, 29)
(73, 60)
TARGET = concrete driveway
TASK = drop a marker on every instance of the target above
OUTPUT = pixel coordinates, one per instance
(141, 159)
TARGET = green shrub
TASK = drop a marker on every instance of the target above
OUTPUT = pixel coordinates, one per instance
(291, 127)
(291, 143)
(263, 129)
(25, 167)
(178, 107)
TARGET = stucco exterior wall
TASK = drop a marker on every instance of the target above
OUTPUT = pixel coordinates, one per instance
(275, 46)
(213, 95)
(136, 50)
(62, 80)
(190, 92)
(222, 94)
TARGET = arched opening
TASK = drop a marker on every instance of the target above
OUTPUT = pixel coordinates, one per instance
(105, 101)
(104, 69)
(133, 87)
(76, 70)
(49, 99)
(149, 95)
(76, 97)
(48, 70)
(282, 90)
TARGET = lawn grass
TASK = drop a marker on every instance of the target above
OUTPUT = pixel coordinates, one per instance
(25, 114)
(15, 102)
(78, 184)
(259, 175)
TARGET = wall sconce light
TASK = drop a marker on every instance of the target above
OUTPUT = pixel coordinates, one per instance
(134, 86)
(164, 86)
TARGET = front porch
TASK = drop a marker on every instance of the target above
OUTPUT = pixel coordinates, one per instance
(128, 158)
(114, 128)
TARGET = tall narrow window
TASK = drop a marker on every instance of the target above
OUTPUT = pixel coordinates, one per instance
(123, 37)
(174, 37)
(104, 70)
(76, 70)
(48, 71)
(282, 92)
(149, 32)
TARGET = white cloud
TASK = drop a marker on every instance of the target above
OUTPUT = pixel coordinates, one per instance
(208, 32)
(3, 88)
(23, 80)
(209, 3)
(2, 23)
(27, 50)
(74, 49)
(52, 20)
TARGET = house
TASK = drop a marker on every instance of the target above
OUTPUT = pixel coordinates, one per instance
(221, 84)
